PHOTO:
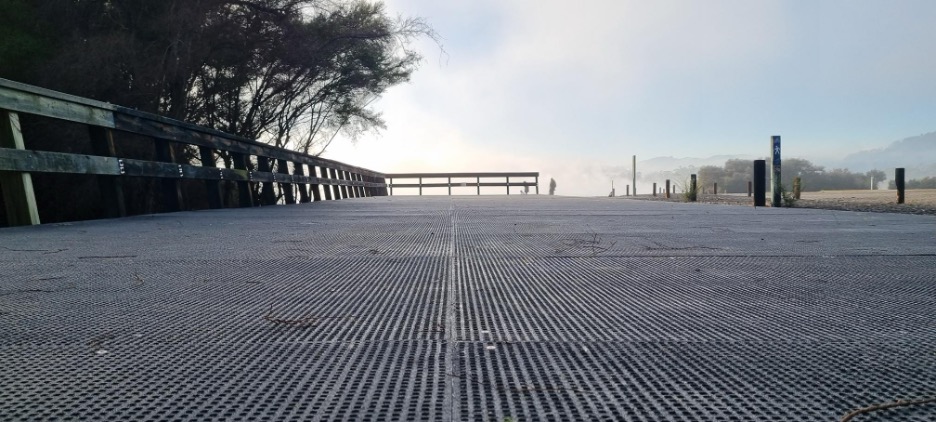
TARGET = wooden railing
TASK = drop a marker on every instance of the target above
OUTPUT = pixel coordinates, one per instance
(478, 184)
(105, 121)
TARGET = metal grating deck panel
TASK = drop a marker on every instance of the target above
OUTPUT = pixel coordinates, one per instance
(470, 309)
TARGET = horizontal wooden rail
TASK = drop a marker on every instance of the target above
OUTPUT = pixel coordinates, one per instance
(338, 180)
(459, 175)
(478, 184)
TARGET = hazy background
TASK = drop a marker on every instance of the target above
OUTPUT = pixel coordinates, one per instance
(574, 89)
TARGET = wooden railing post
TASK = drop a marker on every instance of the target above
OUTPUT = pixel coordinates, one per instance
(508, 185)
(18, 195)
(667, 188)
(478, 182)
(654, 189)
(112, 195)
(357, 189)
(343, 175)
(316, 194)
(420, 186)
(450, 186)
(299, 170)
(171, 187)
(245, 195)
(212, 187)
(336, 188)
(287, 188)
(536, 180)
(327, 186)
(267, 196)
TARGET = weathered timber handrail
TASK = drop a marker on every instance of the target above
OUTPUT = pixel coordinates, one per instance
(103, 119)
(478, 183)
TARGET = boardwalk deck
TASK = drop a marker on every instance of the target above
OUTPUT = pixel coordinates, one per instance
(470, 309)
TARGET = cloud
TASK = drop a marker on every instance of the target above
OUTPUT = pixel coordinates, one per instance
(570, 89)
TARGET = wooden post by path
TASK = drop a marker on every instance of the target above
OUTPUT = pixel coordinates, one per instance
(760, 178)
(654, 189)
(667, 188)
(715, 189)
(693, 188)
(899, 183)
(797, 187)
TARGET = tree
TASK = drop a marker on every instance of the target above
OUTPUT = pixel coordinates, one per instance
(292, 73)
(288, 72)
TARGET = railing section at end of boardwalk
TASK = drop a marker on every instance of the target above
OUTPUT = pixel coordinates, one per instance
(247, 163)
(474, 180)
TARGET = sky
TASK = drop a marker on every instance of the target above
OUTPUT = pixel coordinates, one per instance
(574, 89)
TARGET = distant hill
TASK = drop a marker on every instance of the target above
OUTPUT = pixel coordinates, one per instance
(916, 154)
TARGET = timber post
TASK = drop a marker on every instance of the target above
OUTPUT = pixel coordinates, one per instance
(900, 184)
(797, 187)
(171, 186)
(244, 187)
(285, 187)
(18, 194)
(212, 187)
(326, 185)
(299, 170)
(654, 189)
(267, 195)
(336, 187)
(112, 194)
(760, 179)
(667, 188)
(693, 188)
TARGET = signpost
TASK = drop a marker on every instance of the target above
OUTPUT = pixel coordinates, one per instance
(775, 197)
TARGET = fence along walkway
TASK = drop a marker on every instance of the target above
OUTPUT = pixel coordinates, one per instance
(477, 183)
(338, 180)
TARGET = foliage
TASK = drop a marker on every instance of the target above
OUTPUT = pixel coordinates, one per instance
(924, 183)
(691, 193)
(735, 174)
(292, 73)
(789, 200)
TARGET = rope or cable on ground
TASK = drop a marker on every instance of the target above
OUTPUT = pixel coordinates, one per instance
(876, 407)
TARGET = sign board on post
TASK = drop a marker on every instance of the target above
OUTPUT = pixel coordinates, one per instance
(776, 197)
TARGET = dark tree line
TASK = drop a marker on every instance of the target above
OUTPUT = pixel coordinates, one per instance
(291, 73)
(735, 174)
